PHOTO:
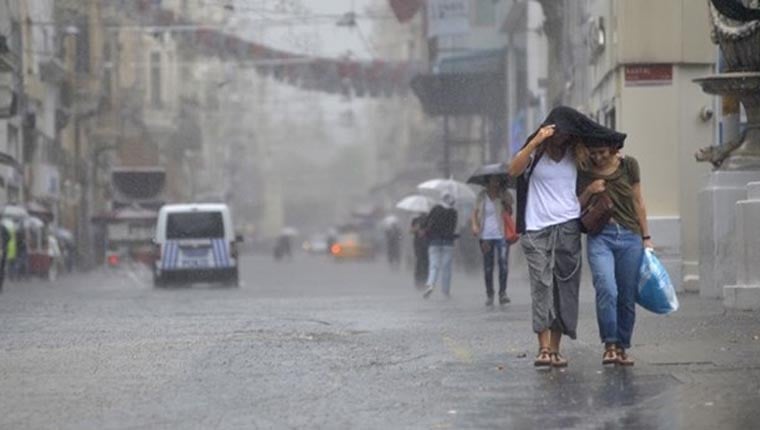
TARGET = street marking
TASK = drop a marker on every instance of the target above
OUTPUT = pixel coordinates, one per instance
(134, 278)
(460, 352)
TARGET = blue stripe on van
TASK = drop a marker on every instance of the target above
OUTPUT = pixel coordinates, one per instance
(220, 253)
(165, 255)
(217, 258)
(170, 255)
(175, 257)
(225, 254)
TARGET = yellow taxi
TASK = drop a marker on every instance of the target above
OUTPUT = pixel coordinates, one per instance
(352, 246)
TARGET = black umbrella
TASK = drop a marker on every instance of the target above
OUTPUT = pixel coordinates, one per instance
(480, 177)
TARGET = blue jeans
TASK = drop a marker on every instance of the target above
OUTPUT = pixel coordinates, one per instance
(440, 255)
(615, 256)
(500, 249)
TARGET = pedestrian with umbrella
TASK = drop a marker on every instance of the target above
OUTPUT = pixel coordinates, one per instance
(419, 205)
(489, 225)
(440, 228)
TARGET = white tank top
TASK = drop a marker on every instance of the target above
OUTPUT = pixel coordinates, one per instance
(551, 193)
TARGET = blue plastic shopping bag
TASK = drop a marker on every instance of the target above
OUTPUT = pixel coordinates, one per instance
(656, 292)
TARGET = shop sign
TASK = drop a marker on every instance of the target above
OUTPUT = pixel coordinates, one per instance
(448, 17)
(648, 74)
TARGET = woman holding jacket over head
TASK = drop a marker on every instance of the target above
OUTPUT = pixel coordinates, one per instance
(547, 216)
(615, 253)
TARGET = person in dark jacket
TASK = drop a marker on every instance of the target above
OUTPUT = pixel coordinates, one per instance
(441, 229)
(5, 238)
(420, 244)
(393, 244)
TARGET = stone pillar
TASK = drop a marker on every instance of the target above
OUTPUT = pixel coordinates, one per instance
(717, 229)
(745, 294)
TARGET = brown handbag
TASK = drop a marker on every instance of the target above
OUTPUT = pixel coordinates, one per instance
(596, 214)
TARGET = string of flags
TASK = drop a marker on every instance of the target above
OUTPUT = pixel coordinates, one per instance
(374, 78)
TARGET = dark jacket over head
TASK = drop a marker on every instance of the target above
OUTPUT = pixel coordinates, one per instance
(571, 122)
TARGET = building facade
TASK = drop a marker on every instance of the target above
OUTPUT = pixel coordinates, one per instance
(641, 82)
(11, 93)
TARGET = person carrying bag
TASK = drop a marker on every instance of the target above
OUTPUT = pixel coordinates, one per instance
(610, 194)
(489, 225)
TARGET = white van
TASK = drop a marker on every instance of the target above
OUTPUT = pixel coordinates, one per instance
(196, 242)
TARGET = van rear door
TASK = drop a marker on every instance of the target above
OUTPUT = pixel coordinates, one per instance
(195, 240)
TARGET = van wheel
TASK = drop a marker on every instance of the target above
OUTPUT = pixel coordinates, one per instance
(158, 281)
(232, 281)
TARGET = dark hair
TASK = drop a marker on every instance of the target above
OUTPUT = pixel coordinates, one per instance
(502, 180)
(598, 143)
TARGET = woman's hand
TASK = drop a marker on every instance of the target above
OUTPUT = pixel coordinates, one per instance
(544, 133)
(648, 244)
(596, 187)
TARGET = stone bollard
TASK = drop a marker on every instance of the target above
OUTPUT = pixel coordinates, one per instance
(745, 294)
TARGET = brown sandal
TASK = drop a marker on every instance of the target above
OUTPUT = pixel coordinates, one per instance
(610, 356)
(623, 358)
(544, 358)
(558, 360)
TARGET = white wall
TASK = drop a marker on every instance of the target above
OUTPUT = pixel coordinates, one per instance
(662, 121)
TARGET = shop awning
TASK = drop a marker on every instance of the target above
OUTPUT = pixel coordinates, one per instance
(461, 93)
(8, 160)
(481, 61)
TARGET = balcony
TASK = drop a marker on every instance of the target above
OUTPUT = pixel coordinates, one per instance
(8, 96)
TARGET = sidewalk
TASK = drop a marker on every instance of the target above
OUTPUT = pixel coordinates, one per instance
(696, 368)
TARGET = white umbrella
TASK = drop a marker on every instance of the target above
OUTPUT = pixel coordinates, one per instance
(15, 212)
(461, 191)
(289, 231)
(415, 203)
(389, 221)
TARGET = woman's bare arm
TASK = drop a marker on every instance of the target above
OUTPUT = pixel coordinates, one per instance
(521, 160)
(641, 212)
(475, 221)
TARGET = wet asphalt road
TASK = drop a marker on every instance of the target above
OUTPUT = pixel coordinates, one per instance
(314, 344)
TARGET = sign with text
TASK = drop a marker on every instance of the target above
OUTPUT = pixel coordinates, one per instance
(448, 17)
(648, 74)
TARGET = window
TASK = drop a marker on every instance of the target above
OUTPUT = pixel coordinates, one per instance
(155, 79)
(485, 12)
(609, 119)
(195, 225)
(107, 72)
(83, 46)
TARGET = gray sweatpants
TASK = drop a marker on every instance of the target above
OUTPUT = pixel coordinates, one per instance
(554, 263)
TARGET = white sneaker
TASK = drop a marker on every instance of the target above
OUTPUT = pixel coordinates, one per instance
(428, 292)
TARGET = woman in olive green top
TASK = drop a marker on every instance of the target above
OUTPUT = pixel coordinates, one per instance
(614, 254)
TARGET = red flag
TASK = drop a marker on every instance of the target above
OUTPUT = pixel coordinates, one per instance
(405, 9)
